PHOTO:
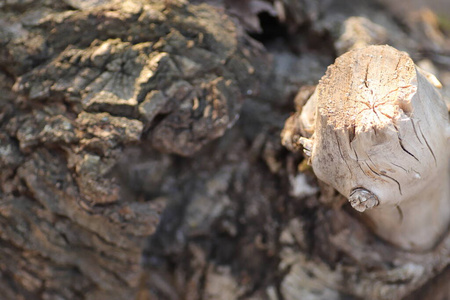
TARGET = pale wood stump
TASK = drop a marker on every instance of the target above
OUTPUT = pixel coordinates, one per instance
(377, 130)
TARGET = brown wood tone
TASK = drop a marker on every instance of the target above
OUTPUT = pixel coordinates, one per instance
(141, 150)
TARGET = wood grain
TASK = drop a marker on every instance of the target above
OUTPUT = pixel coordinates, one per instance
(376, 131)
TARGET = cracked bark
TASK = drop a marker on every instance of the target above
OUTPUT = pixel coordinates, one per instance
(87, 95)
(118, 108)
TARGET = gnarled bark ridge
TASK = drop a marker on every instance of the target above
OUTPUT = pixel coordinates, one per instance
(79, 87)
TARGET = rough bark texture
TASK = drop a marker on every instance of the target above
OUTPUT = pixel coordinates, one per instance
(140, 153)
(80, 87)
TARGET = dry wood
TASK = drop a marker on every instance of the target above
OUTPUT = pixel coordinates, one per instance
(94, 77)
(377, 130)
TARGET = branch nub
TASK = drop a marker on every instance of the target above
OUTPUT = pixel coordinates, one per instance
(362, 199)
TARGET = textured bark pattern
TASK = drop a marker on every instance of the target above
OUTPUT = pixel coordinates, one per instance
(113, 113)
(78, 88)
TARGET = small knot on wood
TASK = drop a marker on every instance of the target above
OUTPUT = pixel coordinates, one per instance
(362, 199)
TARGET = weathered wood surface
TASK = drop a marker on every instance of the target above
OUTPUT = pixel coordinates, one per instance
(117, 116)
(380, 137)
(361, 131)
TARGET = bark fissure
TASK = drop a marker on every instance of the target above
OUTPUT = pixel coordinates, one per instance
(400, 141)
(400, 213)
(357, 159)
(387, 176)
(428, 145)
(415, 131)
(340, 152)
(400, 167)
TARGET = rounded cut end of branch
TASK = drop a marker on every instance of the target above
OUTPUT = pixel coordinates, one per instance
(367, 88)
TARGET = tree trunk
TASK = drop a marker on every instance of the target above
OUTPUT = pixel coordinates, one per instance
(141, 158)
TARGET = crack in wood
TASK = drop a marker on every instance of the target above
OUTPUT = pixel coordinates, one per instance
(400, 140)
(398, 166)
(426, 142)
(387, 176)
(400, 213)
(415, 131)
(340, 152)
(357, 159)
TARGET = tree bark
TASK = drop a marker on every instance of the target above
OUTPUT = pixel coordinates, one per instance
(140, 153)
(82, 90)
